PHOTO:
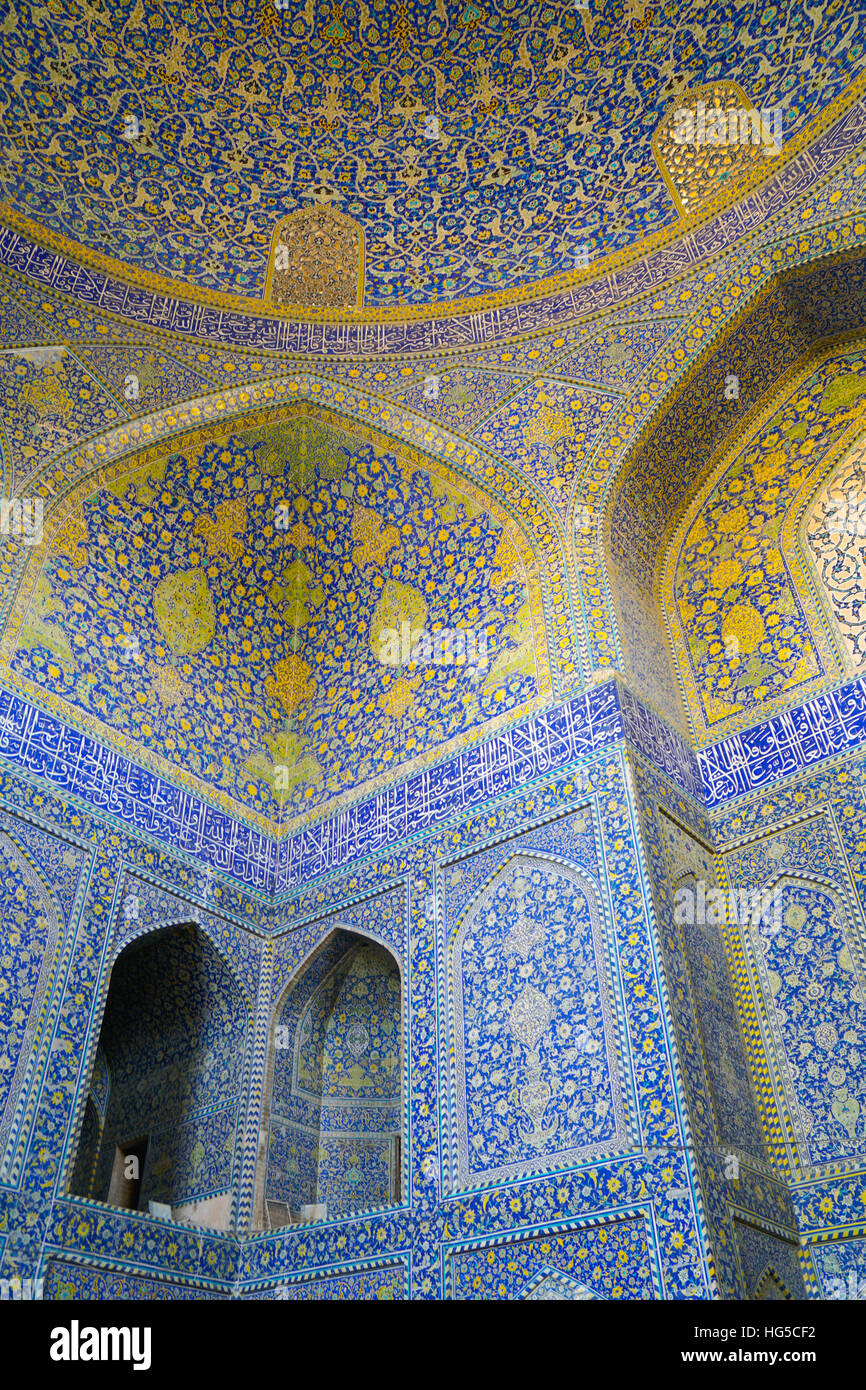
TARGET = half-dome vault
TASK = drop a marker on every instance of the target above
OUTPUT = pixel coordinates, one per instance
(280, 613)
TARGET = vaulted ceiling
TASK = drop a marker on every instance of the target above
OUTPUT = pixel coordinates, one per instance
(438, 288)
(245, 611)
(478, 147)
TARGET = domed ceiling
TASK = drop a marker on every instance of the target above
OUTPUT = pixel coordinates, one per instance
(428, 152)
(308, 522)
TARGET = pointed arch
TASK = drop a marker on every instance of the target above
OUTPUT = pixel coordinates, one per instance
(182, 916)
(334, 1103)
(770, 1287)
(775, 334)
(175, 1032)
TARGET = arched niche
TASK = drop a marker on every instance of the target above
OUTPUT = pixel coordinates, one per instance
(747, 635)
(664, 481)
(335, 1104)
(535, 1083)
(173, 1043)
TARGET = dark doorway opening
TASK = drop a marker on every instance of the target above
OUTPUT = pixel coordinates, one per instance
(124, 1189)
(170, 1081)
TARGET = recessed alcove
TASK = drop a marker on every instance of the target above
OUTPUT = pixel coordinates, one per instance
(436, 553)
(174, 1036)
(334, 1114)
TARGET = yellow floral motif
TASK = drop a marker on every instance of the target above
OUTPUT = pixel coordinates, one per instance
(505, 559)
(290, 683)
(398, 697)
(745, 626)
(547, 426)
(72, 540)
(222, 534)
(520, 658)
(286, 764)
(300, 536)
(397, 621)
(184, 611)
(373, 538)
(168, 686)
(39, 629)
(47, 394)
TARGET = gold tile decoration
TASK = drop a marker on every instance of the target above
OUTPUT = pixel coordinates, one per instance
(745, 626)
(714, 140)
(317, 260)
(184, 611)
(186, 607)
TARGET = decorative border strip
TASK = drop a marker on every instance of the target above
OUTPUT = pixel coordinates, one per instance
(832, 723)
(400, 1260)
(36, 742)
(63, 1258)
(33, 741)
(757, 1222)
(509, 761)
(666, 749)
